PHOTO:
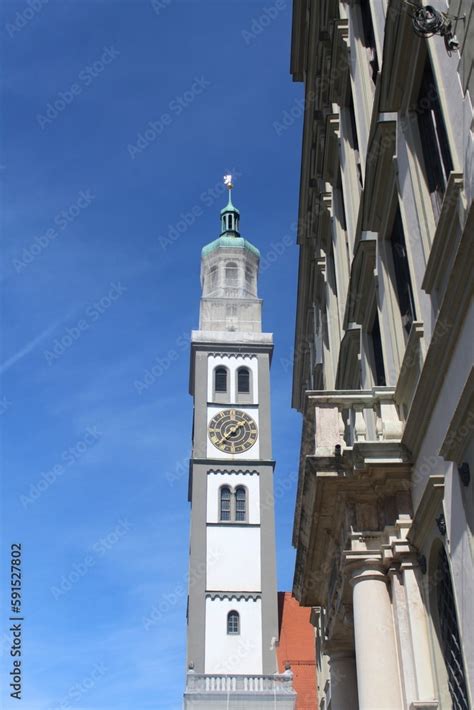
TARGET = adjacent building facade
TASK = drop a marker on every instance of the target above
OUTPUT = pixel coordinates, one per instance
(296, 649)
(232, 603)
(383, 373)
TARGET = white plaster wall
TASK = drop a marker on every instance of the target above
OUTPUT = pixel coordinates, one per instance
(251, 481)
(228, 653)
(238, 550)
(232, 363)
(214, 453)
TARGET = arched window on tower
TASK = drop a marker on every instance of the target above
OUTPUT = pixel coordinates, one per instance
(448, 631)
(224, 503)
(220, 379)
(231, 274)
(243, 380)
(240, 504)
(233, 623)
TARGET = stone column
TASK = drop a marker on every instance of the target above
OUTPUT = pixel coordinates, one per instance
(378, 681)
(343, 677)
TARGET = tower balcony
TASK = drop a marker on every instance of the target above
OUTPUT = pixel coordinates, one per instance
(257, 691)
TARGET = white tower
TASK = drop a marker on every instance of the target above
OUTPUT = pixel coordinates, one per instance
(232, 604)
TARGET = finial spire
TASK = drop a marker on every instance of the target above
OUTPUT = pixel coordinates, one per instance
(230, 215)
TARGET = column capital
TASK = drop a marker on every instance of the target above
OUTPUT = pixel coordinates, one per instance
(364, 566)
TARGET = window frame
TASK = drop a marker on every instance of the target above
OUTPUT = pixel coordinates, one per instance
(223, 489)
(232, 615)
(245, 500)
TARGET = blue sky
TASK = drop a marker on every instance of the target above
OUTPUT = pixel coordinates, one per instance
(118, 122)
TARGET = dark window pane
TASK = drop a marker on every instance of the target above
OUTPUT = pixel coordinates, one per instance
(240, 504)
(369, 37)
(243, 380)
(402, 273)
(449, 632)
(220, 383)
(233, 623)
(378, 354)
(225, 504)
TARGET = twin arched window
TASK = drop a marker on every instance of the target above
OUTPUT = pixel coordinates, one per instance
(243, 380)
(233, 623)
(233, 504)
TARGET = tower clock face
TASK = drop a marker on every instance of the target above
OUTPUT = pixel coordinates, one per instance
(233, 431)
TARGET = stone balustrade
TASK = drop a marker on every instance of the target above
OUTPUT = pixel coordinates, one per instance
(343, 418)
(209, 683)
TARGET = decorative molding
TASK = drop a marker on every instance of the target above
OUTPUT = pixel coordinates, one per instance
(443, 243)
(233, 355)
(462, 424)
(244, 472)
(237, 596)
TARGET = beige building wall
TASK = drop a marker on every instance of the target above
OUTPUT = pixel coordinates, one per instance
(384, 350)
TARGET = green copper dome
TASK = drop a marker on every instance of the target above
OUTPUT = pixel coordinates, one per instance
(228, 241)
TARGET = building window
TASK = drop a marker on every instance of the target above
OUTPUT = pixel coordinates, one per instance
(243, 380)
(240, 504)
(220, 379)
(225, 503)
(434, 138)
(353, 139)
(231, 274)
(449, 634)
(402, 273)
(378, 369)
(233, 623)
(369, 38)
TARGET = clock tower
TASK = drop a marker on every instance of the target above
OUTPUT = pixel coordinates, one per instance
(232, 602)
